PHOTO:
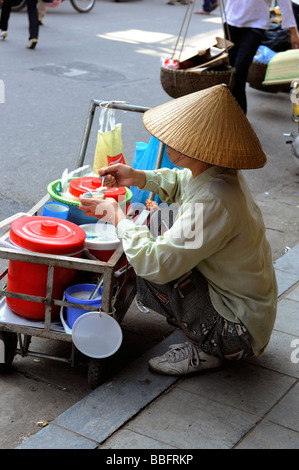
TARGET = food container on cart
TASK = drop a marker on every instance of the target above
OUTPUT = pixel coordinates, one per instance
(43, 235)
(79, 294)
(83, 185)
(101, 239)
(79, 186)
(56, 209)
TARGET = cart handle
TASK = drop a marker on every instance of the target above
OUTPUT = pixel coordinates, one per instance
(8, 221)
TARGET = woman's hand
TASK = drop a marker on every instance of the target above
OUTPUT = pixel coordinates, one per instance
(106, 209)
(122, 175)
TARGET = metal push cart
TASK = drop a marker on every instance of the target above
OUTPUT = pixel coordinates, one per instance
(16, 332)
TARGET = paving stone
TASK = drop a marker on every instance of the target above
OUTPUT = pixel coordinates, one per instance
(126, 439)
(278, 355)
(287, 318)
(285, 281)
(54, 437)
(286, 412)
(188, 421)
(108, 407)
(294, 294)
(241, 385)
(289, 261)
(268, 435)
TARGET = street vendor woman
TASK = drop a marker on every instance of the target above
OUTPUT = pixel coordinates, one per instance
(211, 272)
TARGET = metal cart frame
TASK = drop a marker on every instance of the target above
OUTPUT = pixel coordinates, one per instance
(11, 333)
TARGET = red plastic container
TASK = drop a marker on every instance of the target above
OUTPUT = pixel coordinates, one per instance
(119, 194)
(82, 185)
(85, 184)
(42, 235)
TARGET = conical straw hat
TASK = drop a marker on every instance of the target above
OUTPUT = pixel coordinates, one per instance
(207, 125)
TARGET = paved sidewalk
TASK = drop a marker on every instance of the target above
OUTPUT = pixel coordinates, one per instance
(247, 405)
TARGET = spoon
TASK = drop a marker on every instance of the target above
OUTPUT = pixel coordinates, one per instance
(94, 292)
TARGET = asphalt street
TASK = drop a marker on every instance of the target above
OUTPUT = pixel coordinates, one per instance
(110, 53)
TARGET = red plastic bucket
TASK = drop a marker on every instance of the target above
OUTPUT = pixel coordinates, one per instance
(82, 185)
(42, 235)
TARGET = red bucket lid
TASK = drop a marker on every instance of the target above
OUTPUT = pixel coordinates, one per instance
(47, 235)
(116, 193)
(83, 185)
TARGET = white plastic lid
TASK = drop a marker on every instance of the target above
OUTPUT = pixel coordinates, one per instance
(100, 236)
(97, 335)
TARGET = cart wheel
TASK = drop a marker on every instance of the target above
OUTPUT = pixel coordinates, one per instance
(83, 6)
(96, 372)
(8, 344)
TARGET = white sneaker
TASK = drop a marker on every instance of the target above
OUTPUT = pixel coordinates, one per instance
(183, 359)
(3, 34)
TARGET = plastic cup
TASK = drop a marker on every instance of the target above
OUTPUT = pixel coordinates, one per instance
(56, 209)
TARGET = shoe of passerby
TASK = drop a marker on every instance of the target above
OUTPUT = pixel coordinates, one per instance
(205, 12)
(41, 23)
(185, 358)
(3, 34)
(31, 44)
(201, 12)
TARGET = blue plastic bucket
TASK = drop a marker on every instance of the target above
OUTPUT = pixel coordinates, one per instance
(79, 294)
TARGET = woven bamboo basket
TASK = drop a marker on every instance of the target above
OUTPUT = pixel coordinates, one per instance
(178, 83)
(256, 75)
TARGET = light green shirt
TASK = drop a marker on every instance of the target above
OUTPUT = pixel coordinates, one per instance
(230, 248)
